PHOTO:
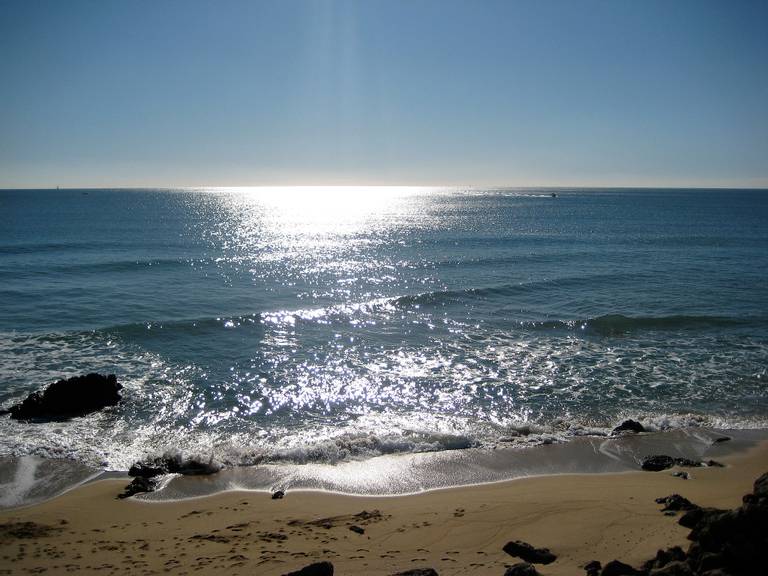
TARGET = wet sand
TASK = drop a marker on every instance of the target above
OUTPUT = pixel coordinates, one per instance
(455, 531)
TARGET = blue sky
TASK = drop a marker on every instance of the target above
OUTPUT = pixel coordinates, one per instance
(518, 93)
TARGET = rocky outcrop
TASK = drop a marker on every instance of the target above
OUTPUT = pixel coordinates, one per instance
(723, 542)
(69, 398)
(145, 473)
(174, 463)
(629, 426)
(528, 553)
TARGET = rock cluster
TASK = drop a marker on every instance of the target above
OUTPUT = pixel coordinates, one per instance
(69, 398)
(174, 463)
(723, 542)
(145, 473)
(660, 462)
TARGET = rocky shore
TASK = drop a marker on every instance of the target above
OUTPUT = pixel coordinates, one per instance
(591, 524)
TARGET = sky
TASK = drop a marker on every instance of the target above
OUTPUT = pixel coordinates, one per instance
(169, 93)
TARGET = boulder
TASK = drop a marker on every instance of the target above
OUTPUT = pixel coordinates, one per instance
(69, 398)
(761, 486)
(278, 495)
(664, 557)
(528, 553)
(693, 516)
(657, 463)
(174, 463)
(316, 569)
(137, 486)
(593, 568)
(521, 569)
(628, 426)
(616, 568)
(662, 462)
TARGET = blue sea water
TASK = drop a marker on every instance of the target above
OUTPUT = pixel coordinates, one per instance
(334, 324)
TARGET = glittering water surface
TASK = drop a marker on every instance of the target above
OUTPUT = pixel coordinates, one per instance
(327, 324)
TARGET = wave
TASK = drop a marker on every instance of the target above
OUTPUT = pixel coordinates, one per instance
(440, 297)
(45, 247)
(606, 324)
(609, 324)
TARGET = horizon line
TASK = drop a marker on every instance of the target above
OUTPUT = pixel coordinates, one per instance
(449, 186)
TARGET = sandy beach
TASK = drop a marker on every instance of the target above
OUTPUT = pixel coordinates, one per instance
(455, 531)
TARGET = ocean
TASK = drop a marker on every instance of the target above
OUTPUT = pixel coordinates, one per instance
(322, 328)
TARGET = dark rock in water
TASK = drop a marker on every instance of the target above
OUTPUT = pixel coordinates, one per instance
(675, 502)
(714, 464)
(170, 463)
(138, 486)
(721, 439)
(681, 474)
(657, 463)
(522, 569)
(529, 553)
(662, 462)
(616, 568)
(593, 568)
(69, 398)
(316, 569)
(357, 529)
(278, 495)
(418, 572)
(629, 426)
(148, 469)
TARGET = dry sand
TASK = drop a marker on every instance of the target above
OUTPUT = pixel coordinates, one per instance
(456, 531)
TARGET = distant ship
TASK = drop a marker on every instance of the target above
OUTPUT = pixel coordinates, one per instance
(554, 194)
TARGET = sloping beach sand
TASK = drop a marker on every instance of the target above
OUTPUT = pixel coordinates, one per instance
(455, 531)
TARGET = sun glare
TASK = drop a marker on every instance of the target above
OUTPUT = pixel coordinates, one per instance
(315, 210)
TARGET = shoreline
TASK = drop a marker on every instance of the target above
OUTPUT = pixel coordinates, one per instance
(580, 517)
(32, 480)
